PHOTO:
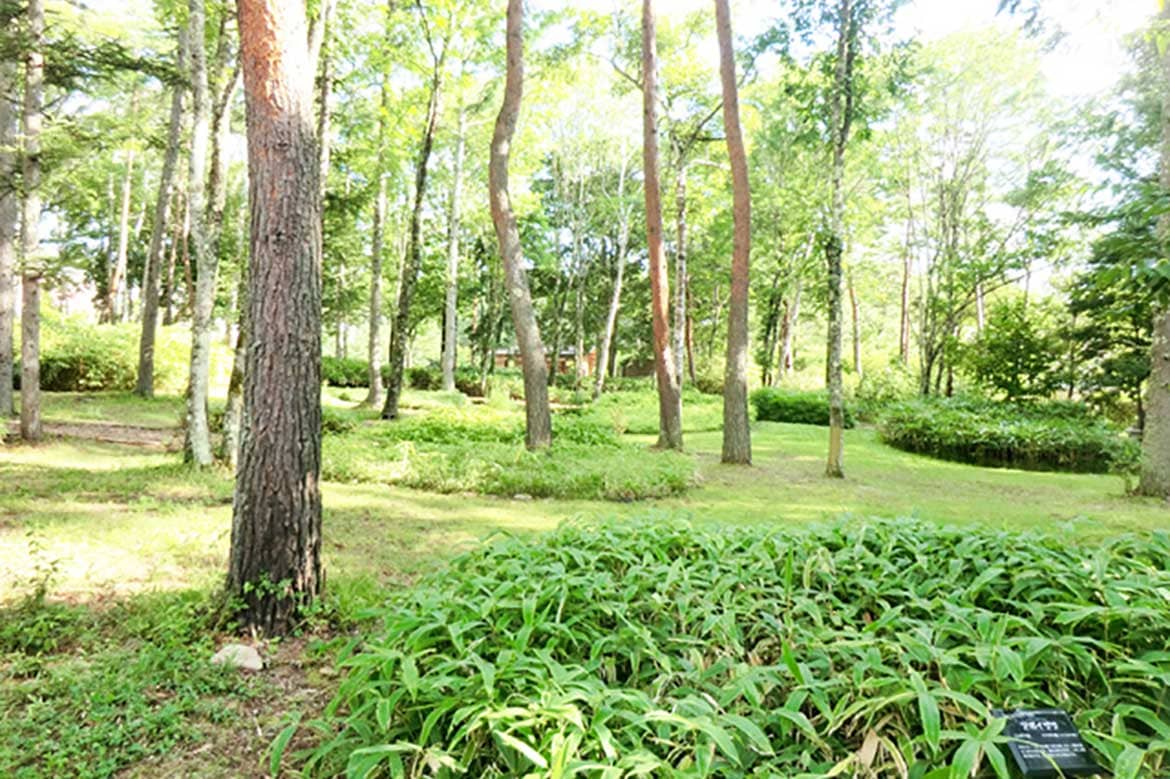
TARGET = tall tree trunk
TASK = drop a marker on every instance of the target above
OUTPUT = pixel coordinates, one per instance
(144, 386)
(680, 272)
(451, 302)
(1155, 474)
(904, 319)
(30, 239)
(981, 309)
(275, 563)
(615, 301)
(9, 226)
(116, 292)
(412, 263)
(855, 309)
(233, 413)
(377, 243)
(177, 236)
(670, 434)
(197, 447)
(538, 428)
(737, 442)
(579, 273)
(788, 345)
(841, 110)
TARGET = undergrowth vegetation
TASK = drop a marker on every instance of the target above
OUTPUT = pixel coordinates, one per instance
(636, 412)
(799, 407)
(481, 449)
(864, 648)
(1034, 436)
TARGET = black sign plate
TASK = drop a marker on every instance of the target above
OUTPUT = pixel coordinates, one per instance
(1047, 745)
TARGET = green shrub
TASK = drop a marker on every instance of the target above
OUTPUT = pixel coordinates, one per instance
(481, 449)
(1053, 436)
(794, 406)
(671, 650)
(880, 388)
(422, 377)
(345, 372)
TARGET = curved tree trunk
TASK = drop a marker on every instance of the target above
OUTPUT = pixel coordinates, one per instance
(275, 566)
(30, 239)
(413, 260)
(116, 292)
(377, 243)
(669, 398)
(154, 258)
(197, 447)
(538, 429)
(842, 114)
(451, 302)
(737, 441)
(618, 281)
(9, 226)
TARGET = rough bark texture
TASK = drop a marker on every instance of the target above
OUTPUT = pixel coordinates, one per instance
(451, 302)
(413, 260)
(669, 398)
(374, 398)
(538, 431)
(154, 258)
(275, 563)
(1155, 474)
(737, 441)
(197, 447)
(842, 112)
(30, 239)
(9, 220)
(615, 302)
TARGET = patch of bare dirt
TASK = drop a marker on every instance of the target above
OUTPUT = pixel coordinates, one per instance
(169, 439)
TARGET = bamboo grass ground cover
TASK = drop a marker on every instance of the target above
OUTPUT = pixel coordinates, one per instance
(859, 648)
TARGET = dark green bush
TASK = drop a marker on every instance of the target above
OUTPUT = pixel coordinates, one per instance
(1053, 436)
(794, 406)
(424, 377)
(345, 372)
(674, 650)
(80, 358)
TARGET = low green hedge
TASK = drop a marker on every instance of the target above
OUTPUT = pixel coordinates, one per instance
(1032, 436)
(345, 372)
(480, 449)
(862, 648)
(799, 407)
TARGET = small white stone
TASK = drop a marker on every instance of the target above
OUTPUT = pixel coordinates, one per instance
(239, 656)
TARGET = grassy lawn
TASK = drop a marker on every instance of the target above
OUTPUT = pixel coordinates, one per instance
(132, 544)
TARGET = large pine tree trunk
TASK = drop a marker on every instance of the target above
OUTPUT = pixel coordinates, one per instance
(451, 302)
(275, 563)
(1155, 475)
(538, 430)
(9, 221)
(615, 301)
(737, 442)
(412, 263)
(30, 238)
(841, 109)
(669, 397)
(197, 447)
(154, 258)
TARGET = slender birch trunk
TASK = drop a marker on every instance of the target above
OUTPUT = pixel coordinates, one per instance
(9, 230)
(680, 272)
(451, 302)
(30, 239)
(615, 302)
(197, 447)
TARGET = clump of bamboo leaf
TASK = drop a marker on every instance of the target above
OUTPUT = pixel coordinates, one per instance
(860, 648)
